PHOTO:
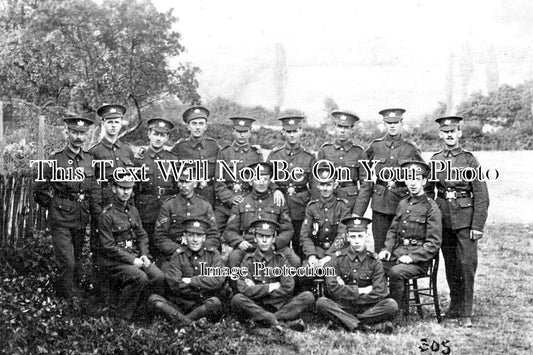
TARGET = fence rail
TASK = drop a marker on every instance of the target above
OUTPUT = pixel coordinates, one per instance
(20, 215)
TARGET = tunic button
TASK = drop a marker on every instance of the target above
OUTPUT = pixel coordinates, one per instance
(188, 213)
(325, 209)
(404, 221)
(326, 229)
(196, 257)
(407, 211)
(392, 157)
(341, 158)
(326, 219)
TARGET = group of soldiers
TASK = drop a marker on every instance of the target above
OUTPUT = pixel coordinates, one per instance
(158, 241)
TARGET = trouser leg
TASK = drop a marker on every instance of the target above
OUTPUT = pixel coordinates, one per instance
(398, 274)
(384, 310)
(335, 312)
(297, 305)
(453, 269)
(244, 307)
(211, 308)
(380, 226)
(467, 259)
(65, 260)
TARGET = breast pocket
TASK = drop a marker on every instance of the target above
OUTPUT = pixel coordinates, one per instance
(417, 225)
(248, 215)
(365, 279)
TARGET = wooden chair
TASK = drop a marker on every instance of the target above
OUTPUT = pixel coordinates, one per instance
(413, 291)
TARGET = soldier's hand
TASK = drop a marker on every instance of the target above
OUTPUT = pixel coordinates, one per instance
(237, 199)
(324, 260)
(244, 245)
(138, 262)
(384, 255)
(138, 153)
(186, 280)
(405, 259)
(365, 290)
(146, 261)
(313, 261)
(475, 235)
(249, 282)
(273, 286)
(340, 281)
(279, 199)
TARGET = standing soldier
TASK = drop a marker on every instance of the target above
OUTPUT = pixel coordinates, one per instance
(190, 292)
(344, 154)
(170, 228)
(109, 148)
(297, 193)
(231, 192)
(266, 297)
(357, 294)
(415, 235)
(151, 194)
(259, 204)
(199, 147)
(464, 206)
(124, 253)
(389, 152)
(70, 204)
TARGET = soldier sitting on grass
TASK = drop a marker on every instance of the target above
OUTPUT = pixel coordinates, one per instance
(357, 294)
(265, 298)
(190, 294)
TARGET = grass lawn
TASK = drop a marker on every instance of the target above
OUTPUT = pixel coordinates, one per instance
(35, 322)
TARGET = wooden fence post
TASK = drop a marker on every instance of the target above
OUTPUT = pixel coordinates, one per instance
(40, 139)
(2, 143)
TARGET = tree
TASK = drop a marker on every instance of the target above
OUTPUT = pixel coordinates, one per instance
(280, 77)
(80, 54)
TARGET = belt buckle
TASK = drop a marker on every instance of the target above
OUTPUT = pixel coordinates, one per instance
(160, 191)
(129, 243)
(391, 184)
(406, 242)
(327, 245)
(414, 242)
(237, 187)
(451, 195)
(81, 197)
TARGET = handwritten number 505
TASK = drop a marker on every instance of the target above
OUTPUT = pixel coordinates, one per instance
(435, 347)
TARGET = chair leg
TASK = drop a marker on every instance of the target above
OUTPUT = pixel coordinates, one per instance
(404, 306)
(436, 299)
(417, 299)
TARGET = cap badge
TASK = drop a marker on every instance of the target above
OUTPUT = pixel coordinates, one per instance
(80, 123)
(112, 110)
(196, 110)
(241, 123)
(357, 221)
(196, 224)
(392, 114)
(291, 121)
(161, 124)
(447, 121)
(342, 117)
(266, 226)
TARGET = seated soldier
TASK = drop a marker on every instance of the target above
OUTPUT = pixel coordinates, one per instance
(124, 252)
(357, 294)
(263, 297)
(189, 292)
(259, 204)
(415, 235)
(169, 227)
(322, 231)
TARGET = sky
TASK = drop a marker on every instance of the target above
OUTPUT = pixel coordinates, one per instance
(365, 55)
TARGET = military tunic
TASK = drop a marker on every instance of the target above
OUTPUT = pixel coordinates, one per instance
(464, 207)
(348, 155)
(255, 302)
(416, 231)
(70, 204)
(258, 206)
(150, 195)
(204, 149)
(322, 232)
(344, 302)
(123, 239)
(388, 152)
(297, 193)
(169, 226)
(226, 189)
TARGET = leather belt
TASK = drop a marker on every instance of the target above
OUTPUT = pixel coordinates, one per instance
(347, 184)
(159, 191)
(411, 241)
(453, 194)
(126, 243)
(73, 196)
(291, 190)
